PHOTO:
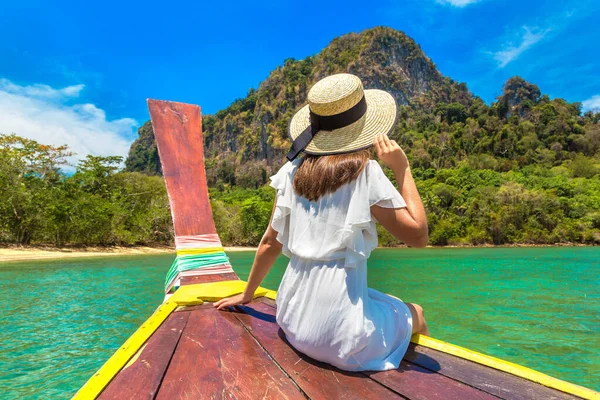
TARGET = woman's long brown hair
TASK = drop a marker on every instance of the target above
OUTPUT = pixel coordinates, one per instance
(319, 175)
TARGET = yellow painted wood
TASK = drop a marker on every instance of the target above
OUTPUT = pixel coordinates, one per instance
(184, 297)
(506, 366)
(213, 291)
(111, 368)
(206, 250)
(135, 357)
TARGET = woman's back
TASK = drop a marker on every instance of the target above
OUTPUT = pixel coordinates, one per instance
(323, 303)
(338, 225)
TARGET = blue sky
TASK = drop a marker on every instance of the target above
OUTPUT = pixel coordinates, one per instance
(79, 72)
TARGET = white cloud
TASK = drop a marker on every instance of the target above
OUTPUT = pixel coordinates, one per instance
(49, 116)
(41, 91)
(457, 3)
(593, 103)
(511, 52)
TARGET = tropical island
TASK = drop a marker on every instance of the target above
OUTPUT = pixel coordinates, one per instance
(523, 170)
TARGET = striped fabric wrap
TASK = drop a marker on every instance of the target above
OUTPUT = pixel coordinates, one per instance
(203, 253)
(197, 241)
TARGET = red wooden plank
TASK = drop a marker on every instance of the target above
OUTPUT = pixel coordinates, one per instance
(498, 383)
(418, 383)
(267, 301)
(195, 368)
(141, 379)
(217, 358)
(248, 371)
(318, 380)
(190, 280)
(178, 132)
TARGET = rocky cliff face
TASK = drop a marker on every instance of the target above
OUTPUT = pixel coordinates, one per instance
(518, 96)
(143, 153)
(248, 140)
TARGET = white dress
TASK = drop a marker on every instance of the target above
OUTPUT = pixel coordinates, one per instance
(324, 305)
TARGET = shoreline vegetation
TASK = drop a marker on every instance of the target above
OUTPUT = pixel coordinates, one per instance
(101, 206)
(33, 253)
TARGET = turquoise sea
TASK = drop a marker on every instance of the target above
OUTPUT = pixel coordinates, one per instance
(539, 307)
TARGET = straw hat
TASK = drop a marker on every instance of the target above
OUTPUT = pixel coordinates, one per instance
(346, 117)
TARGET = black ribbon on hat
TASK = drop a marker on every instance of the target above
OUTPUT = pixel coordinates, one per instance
(326, 123)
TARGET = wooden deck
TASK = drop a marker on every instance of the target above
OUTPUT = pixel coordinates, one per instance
(202, 353)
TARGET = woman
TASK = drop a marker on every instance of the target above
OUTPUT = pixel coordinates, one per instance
(324, 218)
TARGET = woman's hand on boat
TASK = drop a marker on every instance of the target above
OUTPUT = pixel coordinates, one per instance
(390, 152)
(232, 301)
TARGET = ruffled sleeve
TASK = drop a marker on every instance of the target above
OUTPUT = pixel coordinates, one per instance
(359, 234)
(282, 183)
(382, 191)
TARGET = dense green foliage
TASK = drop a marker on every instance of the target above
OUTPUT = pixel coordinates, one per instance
(100, 205)
(97, 205)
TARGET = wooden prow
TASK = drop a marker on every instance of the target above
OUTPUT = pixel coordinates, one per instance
(178, 132)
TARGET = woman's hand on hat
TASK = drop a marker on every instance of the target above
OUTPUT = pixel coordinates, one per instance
(390, 152)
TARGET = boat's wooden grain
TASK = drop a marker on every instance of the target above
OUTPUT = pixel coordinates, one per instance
(498, 383)
(195, 369)
(218, 358)
(318, 380)
(418, 383)
(142, 376)
(269, 302)
(179, 142)
(248, 371)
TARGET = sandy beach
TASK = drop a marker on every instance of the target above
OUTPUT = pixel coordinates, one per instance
(42, 253)
(15, 253)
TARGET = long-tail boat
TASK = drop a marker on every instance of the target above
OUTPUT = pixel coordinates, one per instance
(189, 350)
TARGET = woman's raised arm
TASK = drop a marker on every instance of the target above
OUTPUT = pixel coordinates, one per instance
(407, 224)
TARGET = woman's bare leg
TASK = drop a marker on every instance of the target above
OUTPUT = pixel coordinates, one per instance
(419, 324)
